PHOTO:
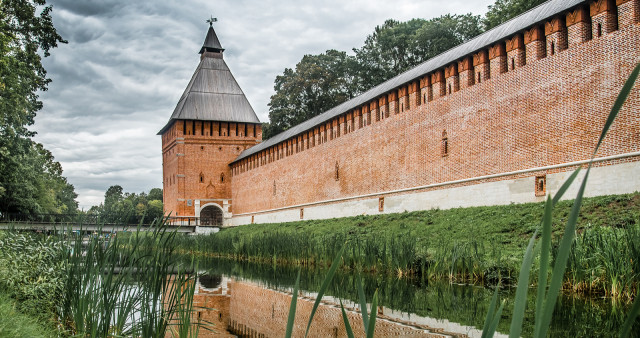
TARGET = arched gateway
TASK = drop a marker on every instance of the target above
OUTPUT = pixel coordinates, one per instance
(211, 215)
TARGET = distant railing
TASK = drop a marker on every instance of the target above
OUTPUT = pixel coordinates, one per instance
(130, 220)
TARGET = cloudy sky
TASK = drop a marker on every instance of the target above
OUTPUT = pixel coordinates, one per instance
(117, 81)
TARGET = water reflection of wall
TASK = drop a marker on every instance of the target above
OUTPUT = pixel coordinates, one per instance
(258, 312)
(212, 305)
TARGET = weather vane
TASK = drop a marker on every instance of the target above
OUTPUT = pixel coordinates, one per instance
(212, 20)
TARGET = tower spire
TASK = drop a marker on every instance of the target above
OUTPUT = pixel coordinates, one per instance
(211, 42)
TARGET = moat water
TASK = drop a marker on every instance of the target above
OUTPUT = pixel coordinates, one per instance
(406, 307)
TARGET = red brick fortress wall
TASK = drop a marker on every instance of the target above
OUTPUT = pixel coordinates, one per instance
(514, 105)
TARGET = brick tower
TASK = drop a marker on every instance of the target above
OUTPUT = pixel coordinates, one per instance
(211, 125)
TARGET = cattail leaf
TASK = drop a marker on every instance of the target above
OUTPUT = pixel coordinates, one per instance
(347, 326)
(372, 317)
(292, 307)
(545, 244)
(520, 301)
(325, 285)
(486, 333)
(565, 186)
(363, 304)
(561, 262)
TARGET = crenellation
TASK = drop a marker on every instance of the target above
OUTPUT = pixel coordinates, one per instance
(604, 17)
(393, 103)
(535, 44)
(497, 59)
(425, 86)
(438, 85)
(452, 80)
(516, 54)
(465, 72)
(555, 32)
(375, 112)
(481, 67)
(383, 107)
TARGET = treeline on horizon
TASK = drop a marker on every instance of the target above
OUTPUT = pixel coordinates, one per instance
(323, 81)
(124, 207)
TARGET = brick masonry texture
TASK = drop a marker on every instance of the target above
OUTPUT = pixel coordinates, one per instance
(547, 110)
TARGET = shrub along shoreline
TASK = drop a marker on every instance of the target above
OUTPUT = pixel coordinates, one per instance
(477, 245)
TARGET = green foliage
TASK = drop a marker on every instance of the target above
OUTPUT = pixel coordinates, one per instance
(14, 323)
(124, 207)
(30, 180)
(504, 10)
(318, 83)
(32, 272)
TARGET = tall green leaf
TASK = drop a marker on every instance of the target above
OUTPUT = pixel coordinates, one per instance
(523, 286)
(347, 326)
(325, 284)
(371, 328)
(363, 304)
(486, 329)
(292, 307)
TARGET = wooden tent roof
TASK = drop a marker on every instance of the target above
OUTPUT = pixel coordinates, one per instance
(213, 93)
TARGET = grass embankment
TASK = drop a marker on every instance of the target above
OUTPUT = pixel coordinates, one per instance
(14, 323)
(481, 244)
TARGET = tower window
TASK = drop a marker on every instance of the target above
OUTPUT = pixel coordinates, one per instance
(337, 176)
(513, 63)
(445, 144)
(599, 30)
(553, 48)
(221, 177)
(201, 178)
(479, 77)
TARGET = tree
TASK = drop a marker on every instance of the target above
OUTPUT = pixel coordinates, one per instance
(155, 194)
(504, 10)
(318, 83)
(30, 179)
(397, 46)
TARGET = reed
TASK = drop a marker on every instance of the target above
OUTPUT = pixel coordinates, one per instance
(128, 286)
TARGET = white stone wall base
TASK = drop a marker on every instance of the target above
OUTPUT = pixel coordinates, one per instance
(621, 178)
